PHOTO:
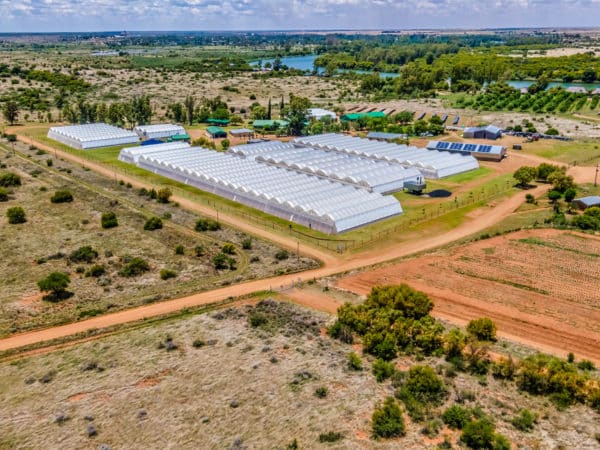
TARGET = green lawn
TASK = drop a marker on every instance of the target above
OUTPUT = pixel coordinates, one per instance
(580, 152)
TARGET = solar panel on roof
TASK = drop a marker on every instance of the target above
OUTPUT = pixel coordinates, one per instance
(485, 148)
(443, 145)
(470, 147)
(455, 146)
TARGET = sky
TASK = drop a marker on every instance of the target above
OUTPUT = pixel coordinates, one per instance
(109, 15)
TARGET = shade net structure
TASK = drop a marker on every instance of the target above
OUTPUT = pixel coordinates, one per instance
(436, 164)
(376, 176)
(132, 154)
(159, 131)
(324, 205)
(92, 135)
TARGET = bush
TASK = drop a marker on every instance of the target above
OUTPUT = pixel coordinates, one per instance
(10, 179)
(570, 195)
(207, 225)
(341, 332)
(331, 436)
(96, 271)
(247, 244)
(220, 261)
(425, 385)
(478, 434)
(83, 254)
(199, 251)
(62, 197)
(163, 195)
(388, 421)
(198, 343)
(504, 368)
(166, 274)
(321, 392)
(153, 223)
(228, 248)
(586, 364)
(525, 420)
(354, 362)
(456, 417)
(553, 196)
(483, 329)
(552, 132)
(529, 198)
(3, 195)
(16, 215)
(109, 220)
(282, 255)
(382, 370)
(136, 266)
(56, 284)
(179, 249)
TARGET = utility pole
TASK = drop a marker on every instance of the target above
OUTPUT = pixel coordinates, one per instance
(596, 177)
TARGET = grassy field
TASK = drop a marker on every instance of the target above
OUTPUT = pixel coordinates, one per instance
(53, 231)
(580, 152)
(250, 386)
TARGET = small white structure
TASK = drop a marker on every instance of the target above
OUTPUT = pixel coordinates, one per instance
(163, 130)
(92, 135)
(319, 113)
(577, 90)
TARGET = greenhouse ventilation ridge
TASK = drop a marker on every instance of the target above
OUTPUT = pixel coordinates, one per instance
(323, 205)
(432, 164)
(92, 135)
(376, 176)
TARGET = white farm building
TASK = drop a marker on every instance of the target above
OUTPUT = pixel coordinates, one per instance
(160, 131)
(319, 113)
(92, 135)
(321, 204)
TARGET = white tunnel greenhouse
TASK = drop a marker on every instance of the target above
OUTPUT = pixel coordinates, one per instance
(432, 164)
(377, 176)
(92, 135)
(163, 130)
(324, 205)
(132, 154)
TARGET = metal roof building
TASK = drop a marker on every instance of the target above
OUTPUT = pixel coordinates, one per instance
(319, 113)
(327, 206)
(92, 135)
(351, 117)
(270, 123)
(490, 132)
(486, 152)
(216, 132)
(437, 164)
(375, 176)
(587, 202)
(158, 131)
(380, 136)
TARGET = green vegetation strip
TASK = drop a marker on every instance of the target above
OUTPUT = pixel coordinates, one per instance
(501, 281)
(542, 243)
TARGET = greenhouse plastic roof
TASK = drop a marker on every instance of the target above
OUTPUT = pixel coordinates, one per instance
(92, 135)
(378, 176)
(436, 164)
(165, 129)
(132, 154)
(324, 205)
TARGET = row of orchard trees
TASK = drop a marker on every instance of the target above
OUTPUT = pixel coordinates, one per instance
(137, 111)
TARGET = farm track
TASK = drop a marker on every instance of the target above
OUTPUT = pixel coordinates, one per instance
(331, 263)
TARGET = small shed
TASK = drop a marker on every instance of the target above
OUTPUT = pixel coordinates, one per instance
(218, 122)
(242, 133)
(587, 202)
(260, 124)
(216, 132)
(490, 132)
(387, 137)
(180, 138)
(319, 113)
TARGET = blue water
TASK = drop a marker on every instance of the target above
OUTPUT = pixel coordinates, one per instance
(306, 63)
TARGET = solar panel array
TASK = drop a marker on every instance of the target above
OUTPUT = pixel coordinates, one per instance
(437, 164)
(464, 148)
(324, 205)
(377, 176)
(92, 135)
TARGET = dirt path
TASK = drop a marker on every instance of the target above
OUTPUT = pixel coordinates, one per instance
(332, 264)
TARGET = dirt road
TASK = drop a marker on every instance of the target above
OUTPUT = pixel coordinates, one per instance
(332, 264)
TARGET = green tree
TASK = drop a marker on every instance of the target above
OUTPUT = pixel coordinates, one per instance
(423, 384)
(153, 223)
(456, 417)
(570, 195)
(296, 114)
(388, 421)
(382, 370)
(484, 329)
(16, 215)
(189, 104)
(554, 196)
(524, 175)
(354, 362)
(109, 220)
(269, 107)
(10, 179)
(55, 284)
(62, 196)
(225, 144)
(478, 435)
(561, 181)
(163, 195)
(10, 110)
(455, 342)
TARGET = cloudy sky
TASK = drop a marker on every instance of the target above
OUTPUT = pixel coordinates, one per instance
(99, 15)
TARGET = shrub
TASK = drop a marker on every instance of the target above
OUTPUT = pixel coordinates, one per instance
(62, 197)
(504, 368)
(136, 266)
(483, 329)
(153, 223)
(56, 284)
(109, 220)
(382, 370)
(425, 385)
(524, 421)
(586, 364)
(96, 271)
(456, 417)
(330, 436)
(553, 196)
(163, 195)
(228, 248)
(166, 274)
(179, 249)
(207, 225)
(247, 243)
(478, 434)
(570, 195)
(529, 198)
(83, 254)
(3, 195)
(354, 362)
(342, 332)
(49, 162)
(321, 392)
(455, 342)
(198, 343)
(199, 251)
(552, 132)
(16, 215)
(388, 421)
(220, 261)
(10, 179)
(282, 255)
